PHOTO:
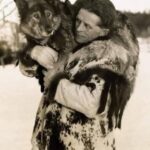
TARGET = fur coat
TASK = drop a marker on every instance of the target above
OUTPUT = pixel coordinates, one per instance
(59, 127)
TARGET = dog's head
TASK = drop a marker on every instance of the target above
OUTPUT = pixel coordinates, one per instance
(39, 18)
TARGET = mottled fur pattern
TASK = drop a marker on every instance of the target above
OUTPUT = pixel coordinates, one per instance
(70, 130)
(115, 59)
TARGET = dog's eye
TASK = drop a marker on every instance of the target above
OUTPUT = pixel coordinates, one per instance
(48, 14)
(36, 16)
(55, 19)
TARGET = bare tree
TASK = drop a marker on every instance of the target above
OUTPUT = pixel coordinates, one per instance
(11, 40)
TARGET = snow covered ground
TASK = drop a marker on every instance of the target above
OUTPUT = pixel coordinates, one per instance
(135, 133)
(19, 99)
(20, 96)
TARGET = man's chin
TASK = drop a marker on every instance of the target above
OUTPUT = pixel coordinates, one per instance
(80, 39)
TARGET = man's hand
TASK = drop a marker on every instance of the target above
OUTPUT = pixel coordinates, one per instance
(45, 56)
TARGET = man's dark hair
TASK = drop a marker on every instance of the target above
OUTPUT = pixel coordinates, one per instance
(103, 8)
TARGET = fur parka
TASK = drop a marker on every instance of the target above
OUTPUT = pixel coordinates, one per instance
(59, 127)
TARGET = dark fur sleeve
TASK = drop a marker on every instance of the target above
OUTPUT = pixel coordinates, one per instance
(51, 90)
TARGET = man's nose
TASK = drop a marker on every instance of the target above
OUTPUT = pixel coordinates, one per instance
(81, 27)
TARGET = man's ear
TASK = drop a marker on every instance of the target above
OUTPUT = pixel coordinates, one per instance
(22, 6)
(104, 32)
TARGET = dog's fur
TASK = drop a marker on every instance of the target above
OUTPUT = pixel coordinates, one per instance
(46, 22)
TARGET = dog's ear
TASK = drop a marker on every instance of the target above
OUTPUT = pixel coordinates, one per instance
(53, 2)
(22, 6)
(69, 7)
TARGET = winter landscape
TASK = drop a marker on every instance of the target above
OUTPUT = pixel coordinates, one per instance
(20, 97)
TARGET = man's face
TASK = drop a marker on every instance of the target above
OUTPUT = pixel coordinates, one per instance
(87, 26)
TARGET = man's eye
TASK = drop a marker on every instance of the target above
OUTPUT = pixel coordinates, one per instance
(78, 22)
(87, 26)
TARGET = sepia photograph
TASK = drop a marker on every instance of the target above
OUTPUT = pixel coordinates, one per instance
(74, 75)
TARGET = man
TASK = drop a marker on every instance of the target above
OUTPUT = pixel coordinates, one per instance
(62, 127)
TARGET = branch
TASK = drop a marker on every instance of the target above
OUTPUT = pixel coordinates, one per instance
(4, 16)
(6, 5)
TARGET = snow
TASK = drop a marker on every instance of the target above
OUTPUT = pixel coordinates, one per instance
(19, 99)
(135, 133)
(20, 96)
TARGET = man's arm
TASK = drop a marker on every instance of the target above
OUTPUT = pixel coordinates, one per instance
(80, 97)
